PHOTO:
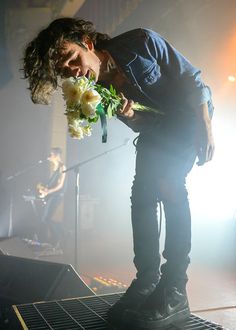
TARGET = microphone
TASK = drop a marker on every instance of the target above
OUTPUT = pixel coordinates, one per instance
(41, 161)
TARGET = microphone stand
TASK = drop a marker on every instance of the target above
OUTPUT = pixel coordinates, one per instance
(76, 168)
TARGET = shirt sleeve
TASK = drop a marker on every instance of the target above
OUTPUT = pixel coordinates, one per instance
(199, 96)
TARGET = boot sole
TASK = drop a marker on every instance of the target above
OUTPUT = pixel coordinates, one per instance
(176, 317)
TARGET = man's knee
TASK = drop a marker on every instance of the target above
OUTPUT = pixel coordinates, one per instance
(173, 190)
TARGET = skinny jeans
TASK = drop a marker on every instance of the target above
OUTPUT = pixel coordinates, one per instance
(164, 157)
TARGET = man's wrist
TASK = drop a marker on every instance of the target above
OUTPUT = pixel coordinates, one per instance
(135, 116)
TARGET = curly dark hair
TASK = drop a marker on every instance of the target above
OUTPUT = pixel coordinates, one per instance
(41, 54)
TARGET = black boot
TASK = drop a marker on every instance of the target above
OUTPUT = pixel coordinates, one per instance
(160, 310)
(133, 298)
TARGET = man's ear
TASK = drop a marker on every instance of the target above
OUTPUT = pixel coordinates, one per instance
(89, 44)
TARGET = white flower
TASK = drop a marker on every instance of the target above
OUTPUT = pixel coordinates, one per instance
(73, 95)
(87, 130)
(73, 91)
(88, 109)
(75, 129)
(73, 114)
(66, 85)
(91, 96)
(83, 82)
(89, 101)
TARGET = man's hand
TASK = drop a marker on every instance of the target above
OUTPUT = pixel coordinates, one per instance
(126, 109)
(204, 137)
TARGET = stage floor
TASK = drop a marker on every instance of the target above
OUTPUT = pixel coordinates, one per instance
(211, 290)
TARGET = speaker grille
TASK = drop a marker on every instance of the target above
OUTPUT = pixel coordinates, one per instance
(85, 313)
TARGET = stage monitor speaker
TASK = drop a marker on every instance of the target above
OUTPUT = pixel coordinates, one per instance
(25, 280)
(16, 247)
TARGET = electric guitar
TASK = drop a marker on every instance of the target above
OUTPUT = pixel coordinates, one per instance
(41, 195)
(42, 190)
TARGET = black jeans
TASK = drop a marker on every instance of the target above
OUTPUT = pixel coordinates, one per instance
(162, 163)
(55, 228)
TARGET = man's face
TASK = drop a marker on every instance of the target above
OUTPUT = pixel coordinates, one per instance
(76, 61)
(53, 157)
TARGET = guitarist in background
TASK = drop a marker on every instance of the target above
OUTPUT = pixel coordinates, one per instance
(52, 193)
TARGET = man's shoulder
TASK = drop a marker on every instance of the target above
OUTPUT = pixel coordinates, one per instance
(136, 33)
(132, 41)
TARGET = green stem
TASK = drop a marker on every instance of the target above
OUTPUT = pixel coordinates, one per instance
(139, 107)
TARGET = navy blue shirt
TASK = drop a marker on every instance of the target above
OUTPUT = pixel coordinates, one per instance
(161, 76)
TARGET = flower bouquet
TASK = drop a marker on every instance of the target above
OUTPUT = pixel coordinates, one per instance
(87, 101)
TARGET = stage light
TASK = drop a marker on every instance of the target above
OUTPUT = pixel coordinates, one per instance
(231, 78)
(212, 186)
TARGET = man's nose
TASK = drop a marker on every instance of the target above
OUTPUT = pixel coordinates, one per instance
(73, 69)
